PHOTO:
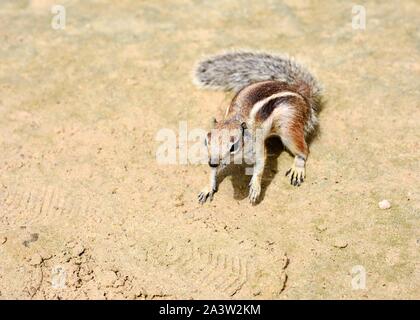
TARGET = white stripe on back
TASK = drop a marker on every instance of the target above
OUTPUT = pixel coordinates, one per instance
(257, 106)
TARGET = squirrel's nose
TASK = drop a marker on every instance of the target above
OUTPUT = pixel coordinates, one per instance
(213, 164)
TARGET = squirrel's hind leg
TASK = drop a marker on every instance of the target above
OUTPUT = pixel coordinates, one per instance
(293, 139)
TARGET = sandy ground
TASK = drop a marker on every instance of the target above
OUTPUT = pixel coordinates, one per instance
(87, 212)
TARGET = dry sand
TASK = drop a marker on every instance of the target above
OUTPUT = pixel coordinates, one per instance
(87, 212)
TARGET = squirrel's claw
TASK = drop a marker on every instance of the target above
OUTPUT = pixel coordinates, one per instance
(254, 192)
(297, 175)
(205, 195)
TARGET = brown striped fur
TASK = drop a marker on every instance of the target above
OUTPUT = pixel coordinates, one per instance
(245, 99)
(296, 125)
(268, 108)
(243, 102)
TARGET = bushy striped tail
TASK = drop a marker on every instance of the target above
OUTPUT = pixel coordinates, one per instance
(236, 70)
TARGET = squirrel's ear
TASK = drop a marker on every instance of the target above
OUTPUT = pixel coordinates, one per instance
(213, 122)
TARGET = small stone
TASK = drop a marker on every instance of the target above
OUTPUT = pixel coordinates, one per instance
(35, 259)
(256, 293)
(3, 240)
(87, 277)
(107, 278)
(78, 250)
(340, 244)
(45, 254)
(119, 283)
(384, 204)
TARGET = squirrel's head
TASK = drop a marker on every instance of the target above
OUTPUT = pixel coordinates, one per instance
(225, 141)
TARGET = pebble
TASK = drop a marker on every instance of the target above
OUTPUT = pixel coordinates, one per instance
(107, 278)
(384, 204)
(341, 244)
(78, 250)
(3, 240)
(45, 254)
(35, 259)
(119, 283)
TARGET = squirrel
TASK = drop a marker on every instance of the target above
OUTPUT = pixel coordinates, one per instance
(274, 96)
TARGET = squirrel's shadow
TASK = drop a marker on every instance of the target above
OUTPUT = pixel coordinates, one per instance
(240, 179)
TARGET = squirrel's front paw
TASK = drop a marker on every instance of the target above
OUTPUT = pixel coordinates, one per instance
(254, 191)
(206, 194)
(297, 175)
